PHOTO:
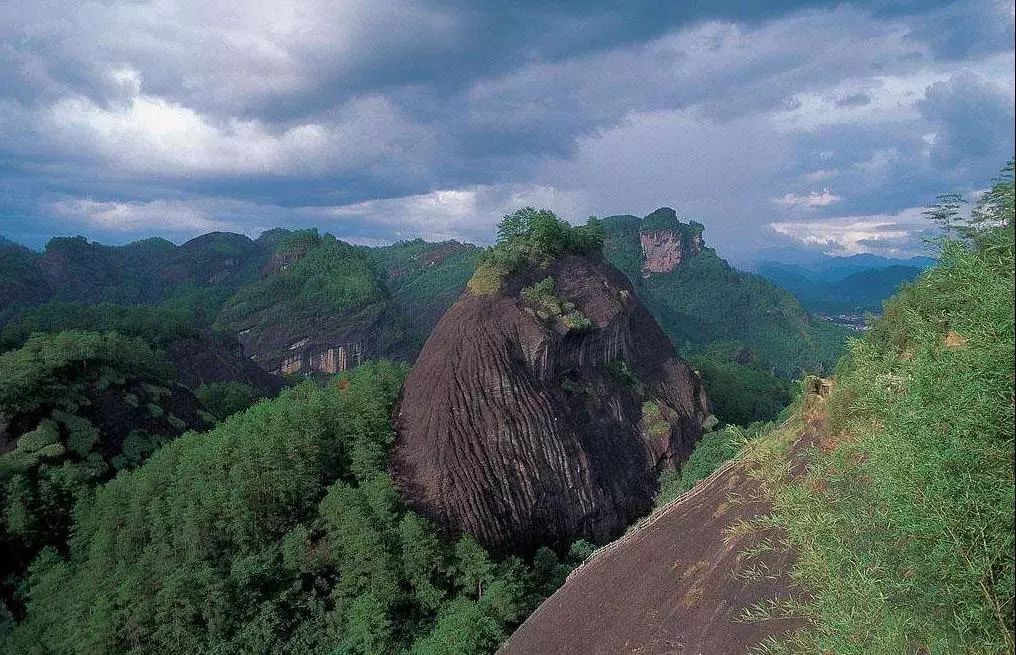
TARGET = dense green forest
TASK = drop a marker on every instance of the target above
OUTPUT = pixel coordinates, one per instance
(326, 276)
(904, 524)
(291, 542)
(158, 325)
(76, 407)
(704, 300)
(425, 278)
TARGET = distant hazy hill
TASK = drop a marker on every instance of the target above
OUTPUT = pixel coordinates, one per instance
(839, 285)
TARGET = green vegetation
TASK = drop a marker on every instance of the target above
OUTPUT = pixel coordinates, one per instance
(654, 420)
(327, 276)
(666, 219)
(747, 337)
(551, 308)
(224, 399)
(424, 279)
(72, 397)
(149, 271)
(532, 236)
(43, 371)
(21, 283)
(742, 394)
(278, 531)
(904, 524)
(704, 300)
(713, 451)
(157, 325)
(621, 371)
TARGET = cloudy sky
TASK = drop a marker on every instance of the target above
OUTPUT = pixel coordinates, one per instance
(794, 123)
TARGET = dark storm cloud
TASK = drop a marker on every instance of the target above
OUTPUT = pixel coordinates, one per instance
(854, 100)
(403, 119)
(973, 119)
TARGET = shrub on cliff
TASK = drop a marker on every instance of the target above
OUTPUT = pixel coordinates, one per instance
(551, 308)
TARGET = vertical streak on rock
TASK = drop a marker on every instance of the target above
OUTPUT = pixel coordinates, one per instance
(491, 441)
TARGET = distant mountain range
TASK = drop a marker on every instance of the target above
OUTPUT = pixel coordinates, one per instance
(296, 301)
(299, 302)
(839, 286)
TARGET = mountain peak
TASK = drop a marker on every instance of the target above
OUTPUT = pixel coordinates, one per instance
(667, 242)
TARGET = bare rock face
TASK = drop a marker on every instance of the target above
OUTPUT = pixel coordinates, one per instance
(662, 251)
(668, 243)
(528, 422)
(328, 344)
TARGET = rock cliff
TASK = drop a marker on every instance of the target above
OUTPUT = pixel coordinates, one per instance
(666, 242)
(545, 412)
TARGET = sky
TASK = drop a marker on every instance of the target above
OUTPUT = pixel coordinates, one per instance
(812, 124)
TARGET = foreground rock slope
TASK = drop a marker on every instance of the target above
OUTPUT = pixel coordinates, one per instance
(545, 411)
(690, 579)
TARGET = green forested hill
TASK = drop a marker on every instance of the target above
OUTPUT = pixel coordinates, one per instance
(747, 336)
(425, 278)
(324, 274)
(284, 288)
(704, 300)
(322, 304)
(75, 408)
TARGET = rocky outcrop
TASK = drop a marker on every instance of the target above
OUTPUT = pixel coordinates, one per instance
(664, 248)
(682, 580)
(662, 251)
(205, 359)
(527, 427)
(320, 358)
(329, 343)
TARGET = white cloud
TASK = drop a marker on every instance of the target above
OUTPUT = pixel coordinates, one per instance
(712, 117)
(148, 134)
(821, 175)
(222, 55)
(809, 201)
(468, 214)
(897, 234)
(170, 216)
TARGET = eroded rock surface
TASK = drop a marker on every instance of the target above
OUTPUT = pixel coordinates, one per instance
(665, 248)
(524, 432)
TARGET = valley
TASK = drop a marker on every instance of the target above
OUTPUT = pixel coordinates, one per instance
(296, 444)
